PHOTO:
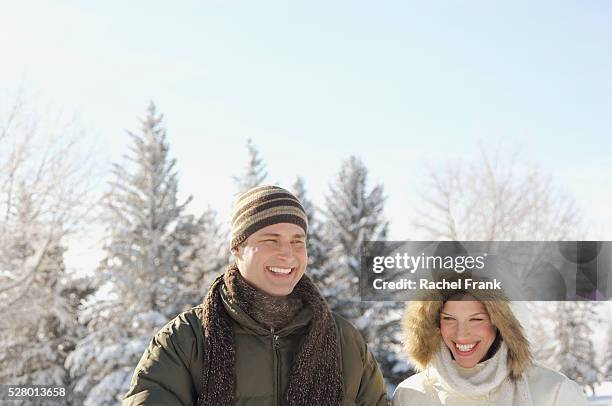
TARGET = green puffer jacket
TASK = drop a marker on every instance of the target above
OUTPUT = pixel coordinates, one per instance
(170, 370)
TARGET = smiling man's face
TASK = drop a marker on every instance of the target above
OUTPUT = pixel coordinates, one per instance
(274, 258)
(467, 331)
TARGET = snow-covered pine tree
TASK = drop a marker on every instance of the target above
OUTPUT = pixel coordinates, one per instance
(574, 351)
(315, 244)
(607, 352)
(38, 322)
(207, 259)
(76, 290)
(255, 171)
(353, 215)
(147, 237)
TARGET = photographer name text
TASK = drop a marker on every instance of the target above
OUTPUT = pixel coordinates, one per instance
(426, 284)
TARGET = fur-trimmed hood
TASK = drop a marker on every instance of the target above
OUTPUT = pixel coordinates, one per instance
(421, 327)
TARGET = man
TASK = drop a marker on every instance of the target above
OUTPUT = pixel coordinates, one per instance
(264, 335)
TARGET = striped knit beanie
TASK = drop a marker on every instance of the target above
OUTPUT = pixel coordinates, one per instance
(263, 206)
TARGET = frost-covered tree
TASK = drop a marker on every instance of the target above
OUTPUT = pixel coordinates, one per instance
(255, 170)
(316, 247)
(563, 339)
(574, 352)
(495, 198)
(148, 234)
(607, 353)
(353, 215)
(35, 328)
(76, 290)
(42, 197)
(207, 259)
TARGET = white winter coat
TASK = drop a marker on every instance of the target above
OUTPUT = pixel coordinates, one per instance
(547, 388)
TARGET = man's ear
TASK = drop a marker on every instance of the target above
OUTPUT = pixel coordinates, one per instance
(237, 251)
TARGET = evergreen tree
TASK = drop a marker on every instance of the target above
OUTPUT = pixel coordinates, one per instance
(76, 290)
(607, 351)
(148, 235)
(316, 246)
(573, 353)
(353, 216)
(255, 171)
(38, 322)
(207, 259)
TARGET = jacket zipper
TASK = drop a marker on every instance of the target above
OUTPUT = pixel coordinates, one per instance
(276, 365)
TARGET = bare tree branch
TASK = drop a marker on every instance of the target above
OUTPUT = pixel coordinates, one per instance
(44, 188)
(495, 198)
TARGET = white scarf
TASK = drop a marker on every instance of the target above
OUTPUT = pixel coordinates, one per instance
(493, 375)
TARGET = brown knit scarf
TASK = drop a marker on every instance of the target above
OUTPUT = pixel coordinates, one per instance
(316, 374)
(272, 312)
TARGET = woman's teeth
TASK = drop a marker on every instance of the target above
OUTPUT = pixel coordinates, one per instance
(280, 270)
(464, 347)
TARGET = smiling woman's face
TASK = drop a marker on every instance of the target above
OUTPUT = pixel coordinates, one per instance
(467, 331)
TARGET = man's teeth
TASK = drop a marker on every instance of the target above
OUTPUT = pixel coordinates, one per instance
(280, 270)
(465, 347)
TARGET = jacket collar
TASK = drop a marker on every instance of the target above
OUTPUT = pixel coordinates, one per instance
(249, 325)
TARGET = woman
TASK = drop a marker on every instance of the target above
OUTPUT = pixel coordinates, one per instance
(471, 350)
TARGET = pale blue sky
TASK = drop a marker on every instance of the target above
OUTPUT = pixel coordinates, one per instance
(400, 84)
